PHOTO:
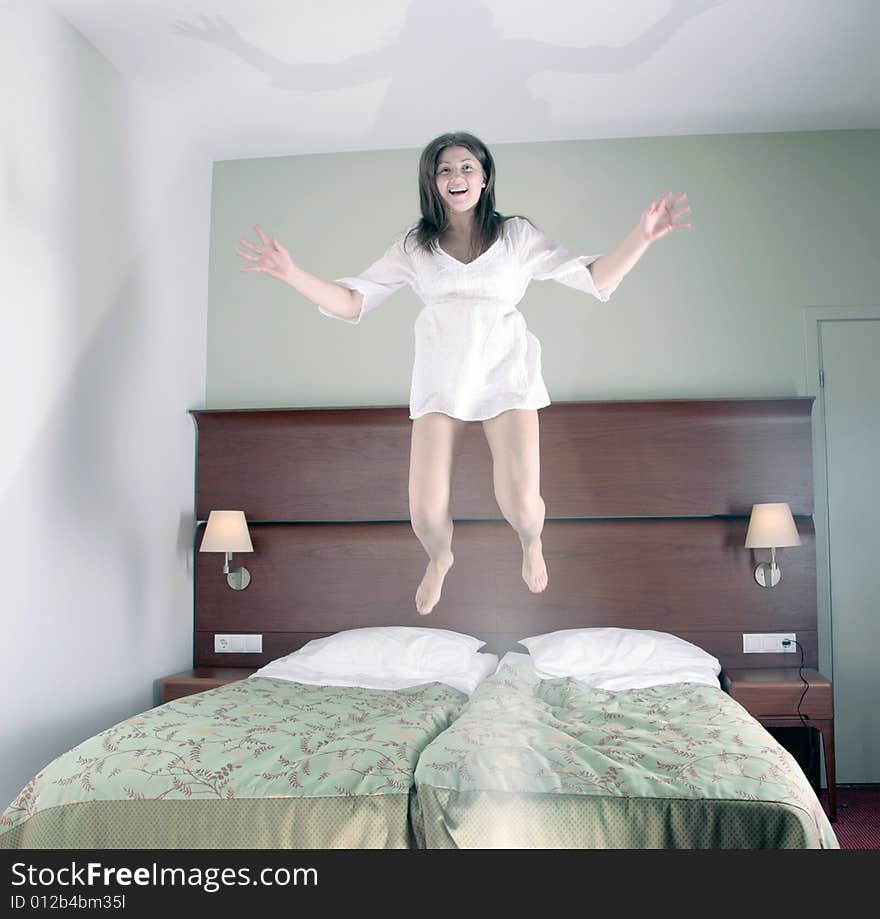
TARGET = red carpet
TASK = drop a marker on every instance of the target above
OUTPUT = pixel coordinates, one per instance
(858, 817)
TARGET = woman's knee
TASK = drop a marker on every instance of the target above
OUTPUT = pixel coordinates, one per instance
(428, 514)
(522, 511)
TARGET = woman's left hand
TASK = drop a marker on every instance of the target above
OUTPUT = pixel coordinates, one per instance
(660, 216)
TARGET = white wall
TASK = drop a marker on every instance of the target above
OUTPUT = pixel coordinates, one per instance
(103, 291)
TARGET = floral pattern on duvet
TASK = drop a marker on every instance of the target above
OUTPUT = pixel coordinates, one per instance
(522, 734)
(254, 738)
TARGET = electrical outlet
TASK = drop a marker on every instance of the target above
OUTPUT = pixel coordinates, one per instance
(769, 642)
(238, 644)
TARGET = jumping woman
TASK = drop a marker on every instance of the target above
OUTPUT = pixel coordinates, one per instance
(474, 358)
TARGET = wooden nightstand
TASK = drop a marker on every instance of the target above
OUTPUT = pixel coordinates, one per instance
(188, 682)
(771, 696)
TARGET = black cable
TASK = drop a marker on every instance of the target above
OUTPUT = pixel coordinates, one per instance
(785, 643)
(804, 718)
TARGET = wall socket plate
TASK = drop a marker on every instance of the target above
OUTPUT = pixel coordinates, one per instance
(238, 644)
(768, 642)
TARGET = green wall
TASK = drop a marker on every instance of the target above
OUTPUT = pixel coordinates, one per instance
(781, 222)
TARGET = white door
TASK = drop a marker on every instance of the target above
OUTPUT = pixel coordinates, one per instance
(849, 358)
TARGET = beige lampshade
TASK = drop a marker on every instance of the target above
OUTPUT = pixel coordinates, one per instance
(226, 532)
(771, 526)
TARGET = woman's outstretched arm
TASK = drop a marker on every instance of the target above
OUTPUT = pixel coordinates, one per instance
(656, 221)
(273, 259)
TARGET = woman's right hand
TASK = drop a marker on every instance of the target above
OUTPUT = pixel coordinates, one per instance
(271, 257)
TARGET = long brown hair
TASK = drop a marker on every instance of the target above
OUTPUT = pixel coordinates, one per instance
(434, 221)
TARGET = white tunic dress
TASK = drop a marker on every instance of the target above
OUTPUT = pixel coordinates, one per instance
(474, 357)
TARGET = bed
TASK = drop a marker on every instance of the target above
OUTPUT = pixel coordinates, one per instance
(647, 508)
(288, 758)
(253, 764)
(559, 764)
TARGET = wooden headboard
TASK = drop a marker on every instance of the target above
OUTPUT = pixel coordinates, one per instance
(647, 510)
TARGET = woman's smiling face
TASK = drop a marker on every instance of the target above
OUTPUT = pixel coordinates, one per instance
(458, 168)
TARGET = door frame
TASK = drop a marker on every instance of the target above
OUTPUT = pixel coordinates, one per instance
(813, 317)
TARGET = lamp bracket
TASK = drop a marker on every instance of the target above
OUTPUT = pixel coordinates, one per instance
(768, 575)
(238, 578)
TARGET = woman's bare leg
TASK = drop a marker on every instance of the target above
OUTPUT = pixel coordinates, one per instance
(513, 440)
(431, 464)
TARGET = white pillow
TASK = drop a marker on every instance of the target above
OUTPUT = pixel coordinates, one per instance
(478, 667)
(617, 659)
(395, 651)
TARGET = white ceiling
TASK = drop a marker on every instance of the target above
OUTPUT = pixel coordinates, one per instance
(249, 78)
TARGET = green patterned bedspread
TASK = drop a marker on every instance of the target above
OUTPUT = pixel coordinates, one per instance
(260, 763)
(535, 763)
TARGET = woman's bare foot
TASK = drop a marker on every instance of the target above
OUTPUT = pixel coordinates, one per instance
(534, 570)
(429, 590)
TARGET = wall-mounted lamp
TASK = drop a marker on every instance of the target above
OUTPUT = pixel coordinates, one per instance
(771, 526)
(227, 532)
